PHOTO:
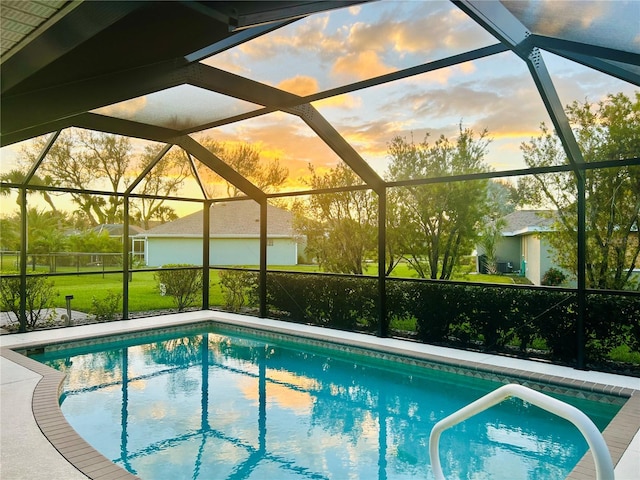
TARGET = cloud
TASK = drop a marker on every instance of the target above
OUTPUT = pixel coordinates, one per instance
(282, 136)
(361, 65)
(417, 30)
(230, 61)
(297, 38)
(347, 101)
(300, 85)
(127, 109)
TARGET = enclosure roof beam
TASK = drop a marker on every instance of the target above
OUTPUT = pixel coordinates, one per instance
(226, 83)
(499, 22)
(339, 145)
(552, 102)
(148, 168)
(31, 109)
(494, 17)
(617, 63)
(236, 39)
(220, 167)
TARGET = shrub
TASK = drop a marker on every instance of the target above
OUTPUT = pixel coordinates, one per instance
(342, 302)
(182, 282)
(238, 289)
(39, 292)
(553, 277)
(477, 316)
(105, 309)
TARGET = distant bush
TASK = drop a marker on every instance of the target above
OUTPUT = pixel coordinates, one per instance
(182, 282)
(553, 277)
(40, 293)
(105, 309)
(239, 288)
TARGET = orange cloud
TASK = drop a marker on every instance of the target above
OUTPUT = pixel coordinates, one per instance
(361, 65)
(299, 85)
(229, 61)
(346, 101)
(126, 109)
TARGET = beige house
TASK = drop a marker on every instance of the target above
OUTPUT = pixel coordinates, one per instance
(234, 237)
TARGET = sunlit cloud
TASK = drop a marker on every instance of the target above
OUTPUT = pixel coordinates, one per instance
(280, 136)
(230, 61)
(308, 34)
(360, 65)
(555, 15)
(347, 101)
(300, 85)
(424, 28)
(126, 109)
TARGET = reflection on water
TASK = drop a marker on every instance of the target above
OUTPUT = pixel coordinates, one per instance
(212, 406)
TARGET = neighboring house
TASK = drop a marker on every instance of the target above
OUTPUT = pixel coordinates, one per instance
(524, 244)
(116, 230)
(234, 233)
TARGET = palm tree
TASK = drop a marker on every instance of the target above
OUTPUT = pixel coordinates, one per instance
(19, 177)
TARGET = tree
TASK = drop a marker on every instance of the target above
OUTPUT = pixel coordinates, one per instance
(18, 176)
(245, 159)
(433, 224)
(490, 235)
(608, 130)
(45, 234)
(78, 160)
(165, 178)
(85, 162)
(92, 241)
(341, 228)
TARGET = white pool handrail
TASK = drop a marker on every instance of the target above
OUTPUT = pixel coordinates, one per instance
(601, 456)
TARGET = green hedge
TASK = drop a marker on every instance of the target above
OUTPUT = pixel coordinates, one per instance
(488, 317)
(341, 302)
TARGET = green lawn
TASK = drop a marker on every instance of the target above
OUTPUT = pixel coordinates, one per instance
(144, 294)
(143, 291)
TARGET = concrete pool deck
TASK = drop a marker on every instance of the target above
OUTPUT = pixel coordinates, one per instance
(28, 395)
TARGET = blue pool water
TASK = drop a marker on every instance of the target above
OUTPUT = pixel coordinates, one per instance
(213, 404)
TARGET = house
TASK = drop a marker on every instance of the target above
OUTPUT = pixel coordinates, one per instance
(524, 247)
(234, 233)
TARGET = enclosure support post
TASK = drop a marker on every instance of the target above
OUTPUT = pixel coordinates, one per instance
(206, 253)
(23, 260)
(125, 260)
(263, 259)
(582, 262)
(383, 328)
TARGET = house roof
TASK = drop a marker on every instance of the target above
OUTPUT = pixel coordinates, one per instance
(523, 222)
(116, 229)
(229, 219)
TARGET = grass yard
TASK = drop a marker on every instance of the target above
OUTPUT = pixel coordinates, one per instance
(143, 291)
(144, 294)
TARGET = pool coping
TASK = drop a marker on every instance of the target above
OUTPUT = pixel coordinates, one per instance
(618, 435)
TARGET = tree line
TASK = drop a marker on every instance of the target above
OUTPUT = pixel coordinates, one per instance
(430, 227)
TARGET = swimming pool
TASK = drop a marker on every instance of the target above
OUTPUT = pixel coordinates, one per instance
(213, 403)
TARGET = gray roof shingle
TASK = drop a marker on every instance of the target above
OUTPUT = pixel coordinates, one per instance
(527, 221)
(229, 219)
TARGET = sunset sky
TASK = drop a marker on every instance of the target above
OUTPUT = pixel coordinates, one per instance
(343, 46)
